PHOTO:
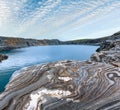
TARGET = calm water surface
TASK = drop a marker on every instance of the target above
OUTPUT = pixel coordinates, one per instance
(19, 58)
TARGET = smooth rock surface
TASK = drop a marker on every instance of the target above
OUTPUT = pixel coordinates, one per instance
(64, 85)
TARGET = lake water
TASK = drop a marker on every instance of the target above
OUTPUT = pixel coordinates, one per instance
(19, 58)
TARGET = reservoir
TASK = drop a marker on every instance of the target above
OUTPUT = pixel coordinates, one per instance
(19, 58)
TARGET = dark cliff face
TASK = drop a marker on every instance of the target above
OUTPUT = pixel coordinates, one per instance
(107, 45)
(14, 42)
(11, 43)
(108, 52)
(21, 42)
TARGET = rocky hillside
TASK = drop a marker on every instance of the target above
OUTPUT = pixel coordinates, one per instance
(97, 41)
(7, 43)
(67, 85)
(109, 53)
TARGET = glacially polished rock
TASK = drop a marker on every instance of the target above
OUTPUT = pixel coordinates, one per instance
(63, 85)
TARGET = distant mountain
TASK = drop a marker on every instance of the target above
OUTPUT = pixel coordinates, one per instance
(7, 43)
(97, 41)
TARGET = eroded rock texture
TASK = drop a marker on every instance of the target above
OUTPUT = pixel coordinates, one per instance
(64, 85)
(109, 52)
(68, 85)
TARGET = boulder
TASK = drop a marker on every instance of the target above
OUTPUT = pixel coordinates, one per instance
(3, 57)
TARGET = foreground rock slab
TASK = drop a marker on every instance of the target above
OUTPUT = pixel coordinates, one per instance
(64, 85)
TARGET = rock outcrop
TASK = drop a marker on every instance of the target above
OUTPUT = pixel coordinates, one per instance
(8, 43)
(64, 85)
(67, 85)
(3, 57)
(109, 52)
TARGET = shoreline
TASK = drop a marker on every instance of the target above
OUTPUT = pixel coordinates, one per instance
(66, 80)
(9, 43)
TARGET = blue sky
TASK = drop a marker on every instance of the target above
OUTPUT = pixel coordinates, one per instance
(59, 19)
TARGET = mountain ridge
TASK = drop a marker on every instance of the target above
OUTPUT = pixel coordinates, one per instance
(96, 41)
(8, 43)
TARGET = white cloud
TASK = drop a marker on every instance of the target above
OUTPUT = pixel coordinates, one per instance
(92, 11)
(38, 14)
(51, 17)
(4, 12)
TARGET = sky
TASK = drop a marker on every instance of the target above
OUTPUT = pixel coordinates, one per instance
(59, 19)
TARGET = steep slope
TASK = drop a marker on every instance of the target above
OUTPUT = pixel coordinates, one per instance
(7, 43)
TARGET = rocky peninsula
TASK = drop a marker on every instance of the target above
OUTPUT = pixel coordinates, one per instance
(68, 85)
